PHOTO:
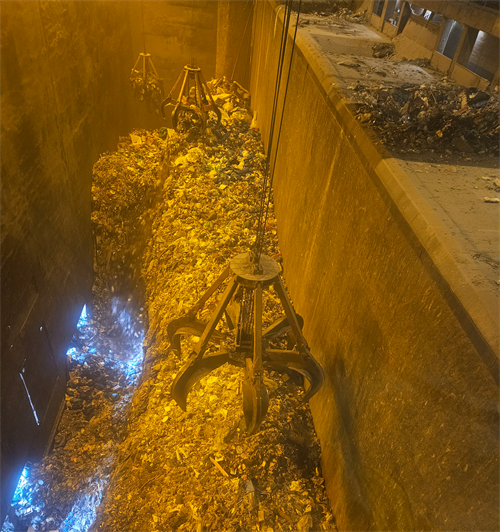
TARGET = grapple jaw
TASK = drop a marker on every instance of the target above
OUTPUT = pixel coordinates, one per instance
(302, 363)
(194, 370)
(255, 399)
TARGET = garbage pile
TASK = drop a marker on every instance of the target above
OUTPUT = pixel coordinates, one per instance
(383, 49)
(168, 214)
(125, 187)
(231, 98)
(197, 470)
(339, 9)
(442, 117)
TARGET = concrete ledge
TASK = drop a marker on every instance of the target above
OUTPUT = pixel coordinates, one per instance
(464, 76)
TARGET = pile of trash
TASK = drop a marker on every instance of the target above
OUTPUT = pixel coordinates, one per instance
(383, 49)
(125, 187)
(168, 214)
(339, 9)
(440, 117)
(231, 98)
(197, 470)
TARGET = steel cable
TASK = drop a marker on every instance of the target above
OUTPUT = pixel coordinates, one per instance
(269, 171)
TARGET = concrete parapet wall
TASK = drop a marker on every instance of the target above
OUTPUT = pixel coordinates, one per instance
(406, 47)
(465, 77)
(408, 417)
(440, 62)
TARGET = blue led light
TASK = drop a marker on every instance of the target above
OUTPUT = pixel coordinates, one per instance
(83, 317)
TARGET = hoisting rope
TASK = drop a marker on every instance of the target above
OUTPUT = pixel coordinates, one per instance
(269, 170)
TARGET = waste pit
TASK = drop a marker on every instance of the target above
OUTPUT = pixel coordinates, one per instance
(170, 210)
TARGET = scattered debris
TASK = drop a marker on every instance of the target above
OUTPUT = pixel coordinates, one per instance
(330, 13)
(492, 200)
(438, 116)
(383, 49)
(350, 64)
(422, 62)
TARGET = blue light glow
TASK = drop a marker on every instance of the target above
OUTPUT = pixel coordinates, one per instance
(84, 511)
(83, 317)
(23, 482)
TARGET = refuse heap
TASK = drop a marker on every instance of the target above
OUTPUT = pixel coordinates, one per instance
(442, 117)
(197, 470)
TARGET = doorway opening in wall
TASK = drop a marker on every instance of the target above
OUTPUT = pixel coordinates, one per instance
(484, 57)
(393, 11)
(450, 38)
(378, 7)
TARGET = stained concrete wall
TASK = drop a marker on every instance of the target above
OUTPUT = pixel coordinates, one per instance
(421, 31)
(408, 414)
(234, 28)
(64, 68)
(484, 59)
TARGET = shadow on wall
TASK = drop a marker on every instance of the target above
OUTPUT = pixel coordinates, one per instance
(376, 499)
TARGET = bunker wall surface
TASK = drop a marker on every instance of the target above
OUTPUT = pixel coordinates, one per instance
(65, 69)
(408, 414)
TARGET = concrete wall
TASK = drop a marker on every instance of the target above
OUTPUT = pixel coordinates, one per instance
(390, 30)
(64, 68)
(234, 32)
(376, 21)
(408, 417)
(440, 62)
(484, 59)
(465, 77)
(423, 32)
(417, 40)
(470, 13)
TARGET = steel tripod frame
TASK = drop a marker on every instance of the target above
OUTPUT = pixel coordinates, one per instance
(256, 352)
(203, 101)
